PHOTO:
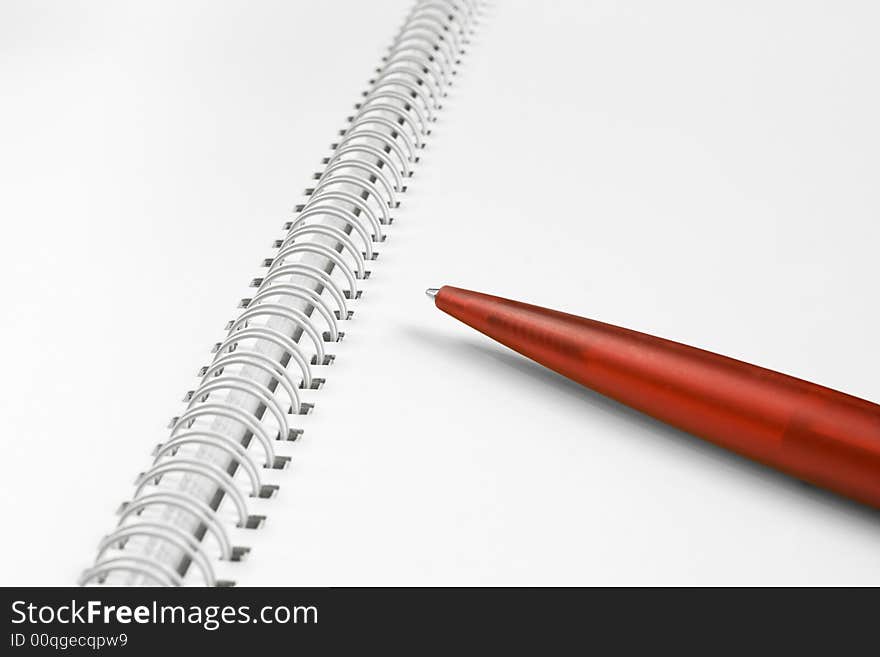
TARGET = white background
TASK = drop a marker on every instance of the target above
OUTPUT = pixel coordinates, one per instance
(705, 171)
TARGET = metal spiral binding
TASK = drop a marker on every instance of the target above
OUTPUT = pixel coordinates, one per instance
(204, 475)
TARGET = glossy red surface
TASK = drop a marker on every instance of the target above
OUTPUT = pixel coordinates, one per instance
(817, 434)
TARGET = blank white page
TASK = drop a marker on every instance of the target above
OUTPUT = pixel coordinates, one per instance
(150, 155)
(702, 171)
(698, 170)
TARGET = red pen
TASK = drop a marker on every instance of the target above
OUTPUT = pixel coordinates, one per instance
(817, 434)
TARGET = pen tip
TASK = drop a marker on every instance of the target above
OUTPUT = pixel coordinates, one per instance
(432, 292)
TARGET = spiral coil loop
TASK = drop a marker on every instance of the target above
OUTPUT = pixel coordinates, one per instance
(205, 476)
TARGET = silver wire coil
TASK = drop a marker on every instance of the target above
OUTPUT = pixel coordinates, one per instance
(251, 391)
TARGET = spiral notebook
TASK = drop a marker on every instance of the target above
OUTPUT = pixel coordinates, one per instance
(212, 482)
(603, 159)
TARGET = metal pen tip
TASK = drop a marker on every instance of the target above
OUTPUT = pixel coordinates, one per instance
(432, 291)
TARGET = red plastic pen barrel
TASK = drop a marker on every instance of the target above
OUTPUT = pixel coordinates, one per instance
(814, 433)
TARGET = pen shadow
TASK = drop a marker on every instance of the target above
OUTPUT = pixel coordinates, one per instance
(474, 349)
